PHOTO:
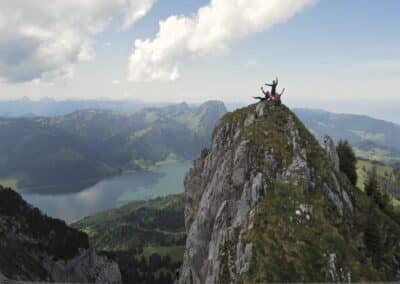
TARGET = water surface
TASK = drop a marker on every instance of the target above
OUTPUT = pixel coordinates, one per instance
(164, 179)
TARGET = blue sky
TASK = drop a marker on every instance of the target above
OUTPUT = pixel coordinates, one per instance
(338, 55)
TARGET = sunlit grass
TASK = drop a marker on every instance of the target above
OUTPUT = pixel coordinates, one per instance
(365, 166)
(9, 182)
(175, 252)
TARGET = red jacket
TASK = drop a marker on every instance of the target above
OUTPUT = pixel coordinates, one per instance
(277, 98)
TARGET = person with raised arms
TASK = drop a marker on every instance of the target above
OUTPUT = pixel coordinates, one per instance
(273, 86)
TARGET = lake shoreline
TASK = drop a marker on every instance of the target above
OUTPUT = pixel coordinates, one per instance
(163, 179)
(79, 186)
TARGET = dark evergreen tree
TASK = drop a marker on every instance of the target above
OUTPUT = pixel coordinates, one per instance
(372, 237)
(167, 261)
(371, 184)
(143, 263)
(155, 262)
(347, 160)
(162, 277)
(373, 190)
(168, 278)
(149, 279)
(382, 199)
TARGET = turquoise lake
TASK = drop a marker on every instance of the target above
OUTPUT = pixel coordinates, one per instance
(166, 178)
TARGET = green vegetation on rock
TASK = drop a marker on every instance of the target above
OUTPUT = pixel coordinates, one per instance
(312, 224)
(273, 132)
(297, 232)
(347, 160)
(26, 233)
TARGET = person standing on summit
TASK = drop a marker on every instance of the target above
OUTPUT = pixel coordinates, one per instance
(273, 87)
(277, 98)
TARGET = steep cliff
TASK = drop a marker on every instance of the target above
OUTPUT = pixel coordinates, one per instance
(264, 203)
(34, 247)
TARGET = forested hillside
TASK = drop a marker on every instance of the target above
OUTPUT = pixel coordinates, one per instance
(146, 238)
(87, 145)
(372, 138)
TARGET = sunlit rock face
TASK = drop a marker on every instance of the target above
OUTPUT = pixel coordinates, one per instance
(330, 150)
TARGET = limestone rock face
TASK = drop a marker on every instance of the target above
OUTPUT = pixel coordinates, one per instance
(86, 267)
(330, 150)
(252, 149)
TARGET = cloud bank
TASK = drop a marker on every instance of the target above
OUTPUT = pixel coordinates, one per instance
(42, 39)
(212, 29)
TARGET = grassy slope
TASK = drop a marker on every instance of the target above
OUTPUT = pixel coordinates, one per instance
(365, 166)
(175, 252)
(142, 218)
(377, 154)
(294, 247)
(384, 171)
(9, 182)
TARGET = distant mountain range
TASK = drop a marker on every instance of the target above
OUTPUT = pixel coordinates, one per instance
(26, 107)
(47, 107)
(86, 145)
(372, 138)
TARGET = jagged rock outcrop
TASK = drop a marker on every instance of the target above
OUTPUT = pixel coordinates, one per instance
(88, 266)
(262, 202)
(34, 247)
(330, 150)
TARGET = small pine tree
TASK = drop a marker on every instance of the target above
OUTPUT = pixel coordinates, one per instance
(382, 198)
(373, 238)
(371, 184)
(371, 188)
(347, 160)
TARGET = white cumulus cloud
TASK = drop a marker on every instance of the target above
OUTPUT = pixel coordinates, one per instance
(42, 39)
(136, 11)
(212, 29)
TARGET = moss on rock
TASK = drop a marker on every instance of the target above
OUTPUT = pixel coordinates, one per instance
(292, 245)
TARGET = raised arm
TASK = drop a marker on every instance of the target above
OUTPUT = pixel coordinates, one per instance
(262, 90)
(283, 90)
(276, 80)
(270, 85)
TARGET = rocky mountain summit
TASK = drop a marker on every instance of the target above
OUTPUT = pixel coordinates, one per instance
(34, 247)
(264, 203)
